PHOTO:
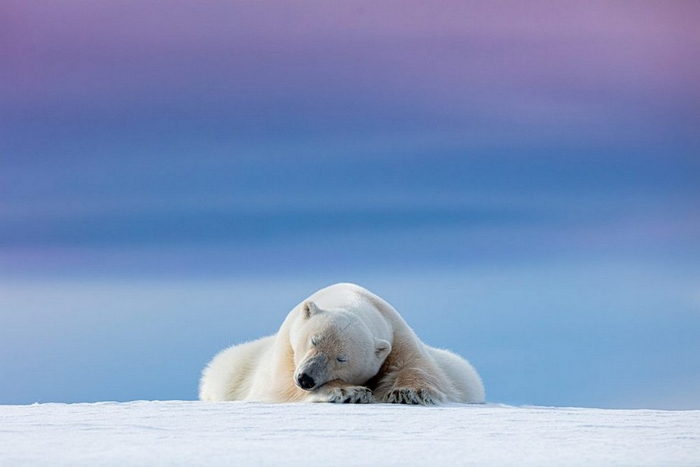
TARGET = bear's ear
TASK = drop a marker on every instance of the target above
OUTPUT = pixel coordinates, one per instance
(382, 348)
(309, 309)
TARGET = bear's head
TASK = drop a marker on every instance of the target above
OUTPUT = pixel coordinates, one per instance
(334, 345)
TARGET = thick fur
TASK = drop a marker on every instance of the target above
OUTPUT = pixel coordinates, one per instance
(342, 344)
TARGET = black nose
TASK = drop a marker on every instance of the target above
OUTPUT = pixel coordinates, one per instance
(306, 381)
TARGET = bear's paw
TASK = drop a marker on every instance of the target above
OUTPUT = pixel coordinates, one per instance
(351, 395)
(413, 396)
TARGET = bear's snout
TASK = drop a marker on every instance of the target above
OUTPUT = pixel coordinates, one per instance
(311, 373)
(306, 382)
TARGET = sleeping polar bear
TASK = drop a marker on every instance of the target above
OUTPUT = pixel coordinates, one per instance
(342, 344)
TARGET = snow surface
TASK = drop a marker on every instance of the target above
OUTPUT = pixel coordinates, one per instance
(241, 433)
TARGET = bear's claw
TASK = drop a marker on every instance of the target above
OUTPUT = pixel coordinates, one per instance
(351, 395)
(412, 396)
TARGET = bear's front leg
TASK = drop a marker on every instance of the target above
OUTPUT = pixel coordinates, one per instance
(409, 386)
(340, 392)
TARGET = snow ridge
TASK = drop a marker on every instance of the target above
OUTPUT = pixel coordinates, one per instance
(244, 433)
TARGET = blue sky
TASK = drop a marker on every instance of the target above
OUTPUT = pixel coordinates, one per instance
(521, 181)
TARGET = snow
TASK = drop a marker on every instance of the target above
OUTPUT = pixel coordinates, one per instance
(242, 433)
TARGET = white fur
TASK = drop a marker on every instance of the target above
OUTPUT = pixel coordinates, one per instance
(353, 347)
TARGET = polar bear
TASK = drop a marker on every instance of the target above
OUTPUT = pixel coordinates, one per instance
(342, 344)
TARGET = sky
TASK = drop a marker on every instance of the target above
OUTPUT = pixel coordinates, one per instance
(519, 179)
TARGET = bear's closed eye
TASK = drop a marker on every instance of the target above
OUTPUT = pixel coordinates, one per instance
(342, 358)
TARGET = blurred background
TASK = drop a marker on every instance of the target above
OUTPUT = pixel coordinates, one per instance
(521, 180)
